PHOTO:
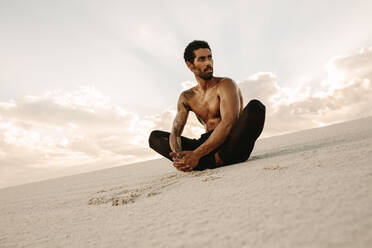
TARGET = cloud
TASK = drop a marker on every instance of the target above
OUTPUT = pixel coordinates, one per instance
(62, 133)
(60, 130)
(344, 95)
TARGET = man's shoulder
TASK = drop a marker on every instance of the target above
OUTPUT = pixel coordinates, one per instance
(226, 83)
(188, 94)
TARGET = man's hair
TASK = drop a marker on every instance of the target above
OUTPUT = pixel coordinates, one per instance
(189, 55)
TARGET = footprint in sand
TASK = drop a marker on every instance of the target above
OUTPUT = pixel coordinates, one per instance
(275, 168)
(121, 195)
(211, 178)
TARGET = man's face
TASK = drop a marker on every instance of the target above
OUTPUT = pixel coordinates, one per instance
(203, 63)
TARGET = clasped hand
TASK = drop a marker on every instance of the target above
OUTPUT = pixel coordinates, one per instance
(184, 160)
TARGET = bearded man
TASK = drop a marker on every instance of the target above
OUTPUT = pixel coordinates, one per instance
(231, 130)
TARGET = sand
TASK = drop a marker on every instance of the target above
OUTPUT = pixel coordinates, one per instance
(307, 189)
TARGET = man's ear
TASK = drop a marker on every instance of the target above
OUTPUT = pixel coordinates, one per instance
(190, 66)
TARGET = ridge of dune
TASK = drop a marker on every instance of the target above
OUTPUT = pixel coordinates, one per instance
(311, 188)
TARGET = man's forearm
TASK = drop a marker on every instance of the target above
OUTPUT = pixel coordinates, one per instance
(175, 143)
(217, 137)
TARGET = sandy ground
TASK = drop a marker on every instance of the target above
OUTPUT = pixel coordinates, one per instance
(306, 189)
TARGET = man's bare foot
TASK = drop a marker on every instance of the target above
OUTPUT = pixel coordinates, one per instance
(218, 159)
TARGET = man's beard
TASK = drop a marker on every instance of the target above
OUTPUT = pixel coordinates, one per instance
(206, 75)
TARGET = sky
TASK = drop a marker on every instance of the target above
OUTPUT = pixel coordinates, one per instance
(83, 83)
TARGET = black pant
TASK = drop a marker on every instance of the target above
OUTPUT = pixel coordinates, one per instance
(236, 148)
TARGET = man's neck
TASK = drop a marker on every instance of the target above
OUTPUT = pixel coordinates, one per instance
(204, 85)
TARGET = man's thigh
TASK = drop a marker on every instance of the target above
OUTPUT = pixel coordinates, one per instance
(240, 142)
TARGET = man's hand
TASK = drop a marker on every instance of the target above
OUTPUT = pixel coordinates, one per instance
(185, 160)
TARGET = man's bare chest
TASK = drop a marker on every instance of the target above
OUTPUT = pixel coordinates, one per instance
(206, 106)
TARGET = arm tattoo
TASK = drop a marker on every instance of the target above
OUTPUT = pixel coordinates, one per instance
(178, 125)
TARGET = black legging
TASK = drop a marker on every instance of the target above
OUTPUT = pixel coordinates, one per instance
(235, 149)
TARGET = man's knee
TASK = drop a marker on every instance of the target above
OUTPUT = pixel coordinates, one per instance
(256, 106)
(154, 136)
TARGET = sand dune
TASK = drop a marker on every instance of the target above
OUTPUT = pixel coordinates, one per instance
(307, 189)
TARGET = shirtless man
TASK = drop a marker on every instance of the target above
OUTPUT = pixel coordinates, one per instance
(217, 102)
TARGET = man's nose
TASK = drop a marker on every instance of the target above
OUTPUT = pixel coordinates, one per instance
(209, 62)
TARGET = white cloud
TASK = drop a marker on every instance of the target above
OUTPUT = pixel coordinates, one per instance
(59, 130)
(344, 95)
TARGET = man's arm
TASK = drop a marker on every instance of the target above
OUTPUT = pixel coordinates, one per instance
(229, 109)
(178, 124)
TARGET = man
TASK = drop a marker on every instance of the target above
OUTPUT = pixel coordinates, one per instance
(231, 131)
